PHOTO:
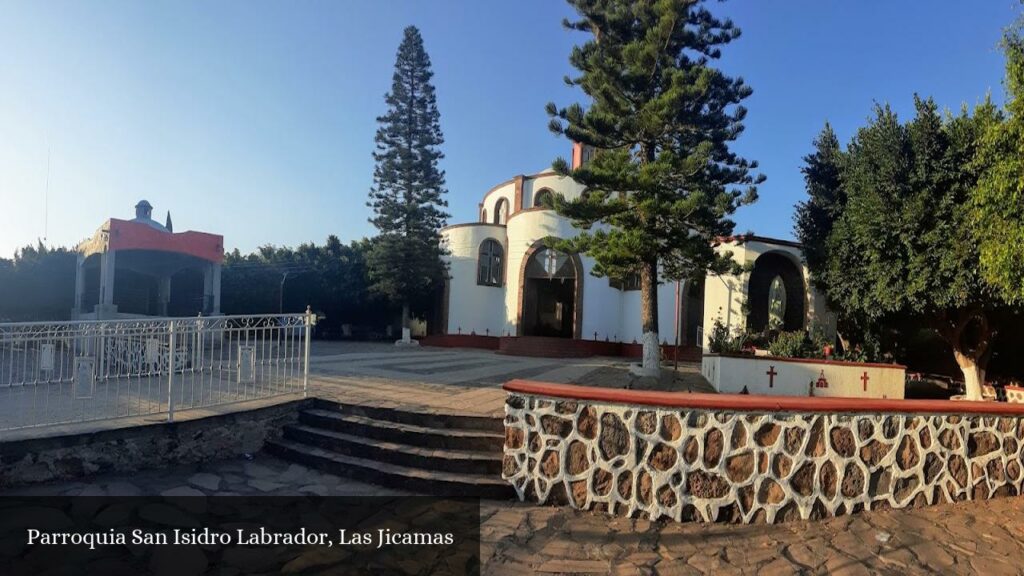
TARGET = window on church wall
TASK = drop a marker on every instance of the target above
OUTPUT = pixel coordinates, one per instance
(490, 264)
(483, 216)
(501, 212)
(542, 198)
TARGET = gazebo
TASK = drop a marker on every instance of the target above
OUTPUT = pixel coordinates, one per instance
(139, 267)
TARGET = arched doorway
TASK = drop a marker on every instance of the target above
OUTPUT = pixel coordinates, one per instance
(551, 294)
(776, 294)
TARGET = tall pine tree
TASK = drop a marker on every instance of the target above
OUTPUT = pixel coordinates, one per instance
(815, 216)
(661, 118)
(408, 190)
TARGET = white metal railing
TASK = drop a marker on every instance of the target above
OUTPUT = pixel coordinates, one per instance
(64, 372)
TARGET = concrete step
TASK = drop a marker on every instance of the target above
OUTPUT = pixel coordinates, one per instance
(401, 433)
(425, 419)
(392, 475)
(462, 461)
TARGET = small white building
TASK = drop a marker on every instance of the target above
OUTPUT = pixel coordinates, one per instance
(505, 284)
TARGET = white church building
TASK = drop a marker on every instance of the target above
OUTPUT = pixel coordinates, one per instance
(507, 291)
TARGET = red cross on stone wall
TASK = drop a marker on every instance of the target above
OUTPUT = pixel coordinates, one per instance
(864, 378)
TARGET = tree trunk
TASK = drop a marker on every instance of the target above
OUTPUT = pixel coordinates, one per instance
(974, 375)
(406, 332)
(971, 357)
(649, 319)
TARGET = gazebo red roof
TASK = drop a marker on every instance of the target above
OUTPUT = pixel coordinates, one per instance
(128, 235)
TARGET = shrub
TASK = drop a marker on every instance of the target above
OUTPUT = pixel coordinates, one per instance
(721, 341)
(790, 344)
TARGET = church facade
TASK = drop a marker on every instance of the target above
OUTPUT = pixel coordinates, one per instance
(504, 283)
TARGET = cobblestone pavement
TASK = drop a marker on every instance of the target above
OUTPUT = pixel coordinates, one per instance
(456, 379)
(985, 538)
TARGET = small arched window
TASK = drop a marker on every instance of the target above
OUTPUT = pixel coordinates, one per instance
(501, 211)
(483, 216)
(542, 198)
(490, 264)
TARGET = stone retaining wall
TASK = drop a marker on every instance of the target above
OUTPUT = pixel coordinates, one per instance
(128, 449)
(716, 464)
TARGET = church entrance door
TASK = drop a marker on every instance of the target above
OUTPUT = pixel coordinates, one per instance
(549, 295)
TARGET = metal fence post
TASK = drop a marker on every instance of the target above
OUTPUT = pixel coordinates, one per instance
(170, 372)
(305, 367)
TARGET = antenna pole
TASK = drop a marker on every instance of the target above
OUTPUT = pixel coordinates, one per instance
(46, 200)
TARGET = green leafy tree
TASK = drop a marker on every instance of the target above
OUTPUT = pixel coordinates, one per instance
(998, 215)
(902, 250)
(663, 180)
(38, 284)
(408, 190)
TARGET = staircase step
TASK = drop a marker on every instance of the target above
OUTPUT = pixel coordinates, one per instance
(392, 475)
(409, 434)
(463, 461)
(428, 420)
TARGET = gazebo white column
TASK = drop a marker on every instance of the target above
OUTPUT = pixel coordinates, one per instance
(76, 312)
(163, 294)
(211, 289)
(106, 308)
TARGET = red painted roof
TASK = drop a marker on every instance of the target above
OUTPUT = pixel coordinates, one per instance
(128, 235)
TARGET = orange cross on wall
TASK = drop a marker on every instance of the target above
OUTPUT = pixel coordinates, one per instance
(865, 379)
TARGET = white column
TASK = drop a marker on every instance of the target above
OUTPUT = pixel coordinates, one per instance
(79, 287)
(211, 289)
(163, 295)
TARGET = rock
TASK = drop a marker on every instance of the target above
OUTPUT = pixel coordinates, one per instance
(614, 437)
(587, 423)
(843, 442)
(578, 461)
(705, 485)
(662, 458)
(122, 488)
(714, 443)
(740, 467)
(670, 428)
(258, 471)
(265, 485)
(181, 491)
(767, 435)
(206, 481)
(770, 492)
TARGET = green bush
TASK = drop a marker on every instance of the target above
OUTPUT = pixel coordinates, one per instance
(721, 341)
(790, 344)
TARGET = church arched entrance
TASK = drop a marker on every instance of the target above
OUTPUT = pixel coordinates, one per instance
(551, 302)
(776, 294)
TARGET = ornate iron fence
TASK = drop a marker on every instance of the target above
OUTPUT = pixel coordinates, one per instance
(64, 372)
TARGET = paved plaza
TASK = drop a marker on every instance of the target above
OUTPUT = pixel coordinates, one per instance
(984, 538)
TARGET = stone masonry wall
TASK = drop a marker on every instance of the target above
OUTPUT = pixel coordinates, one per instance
(134, 448)
(707, 465)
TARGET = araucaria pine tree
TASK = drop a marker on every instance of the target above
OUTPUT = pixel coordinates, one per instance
(662, 182)
(408, 190)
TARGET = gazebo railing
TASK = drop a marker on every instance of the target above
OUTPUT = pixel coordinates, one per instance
(66, 372)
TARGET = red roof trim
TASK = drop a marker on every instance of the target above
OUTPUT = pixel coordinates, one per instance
(756, 403)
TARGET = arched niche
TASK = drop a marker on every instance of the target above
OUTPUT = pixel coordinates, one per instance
(776, 290)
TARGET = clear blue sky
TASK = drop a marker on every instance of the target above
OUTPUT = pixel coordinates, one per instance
(256, 119)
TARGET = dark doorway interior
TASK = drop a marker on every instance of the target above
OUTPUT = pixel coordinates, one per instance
(776, 294)
(549, 307)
